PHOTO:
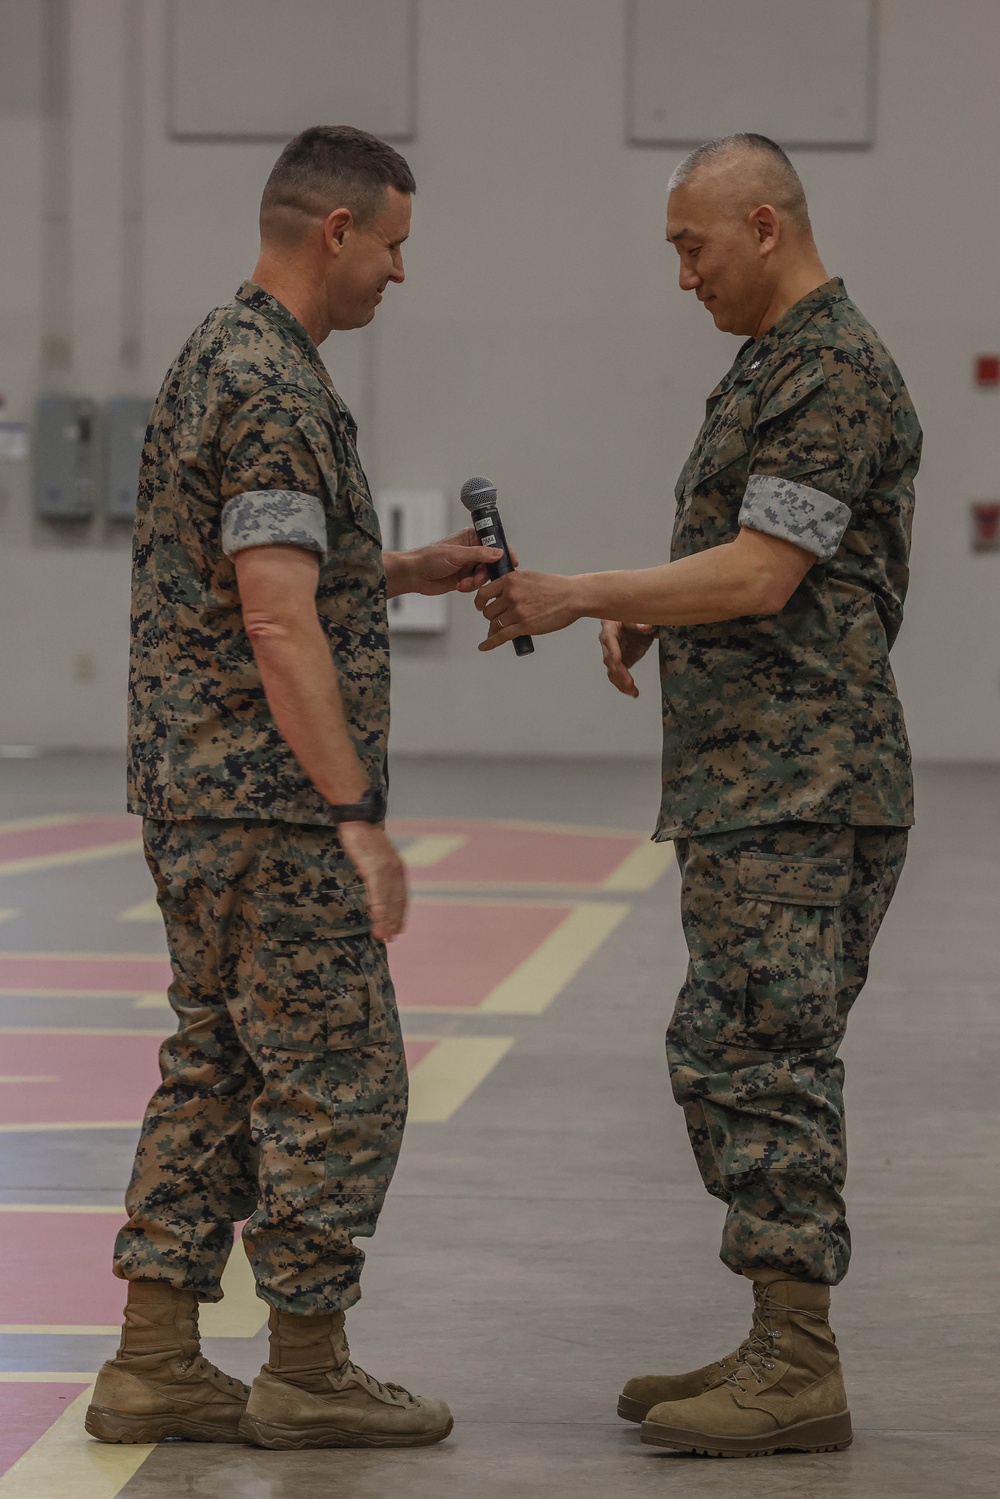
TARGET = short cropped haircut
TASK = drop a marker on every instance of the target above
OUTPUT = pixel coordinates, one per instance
(774, 170)
(328, 167)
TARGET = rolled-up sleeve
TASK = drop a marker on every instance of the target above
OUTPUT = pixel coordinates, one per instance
(817, 446)
(795, 512)
(273, 484)
(273, 517)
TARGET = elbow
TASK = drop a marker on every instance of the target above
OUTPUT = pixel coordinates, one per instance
(265, 630)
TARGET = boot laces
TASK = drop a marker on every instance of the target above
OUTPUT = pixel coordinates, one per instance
(760, 1349)
(201, 1366)
(369, 1380)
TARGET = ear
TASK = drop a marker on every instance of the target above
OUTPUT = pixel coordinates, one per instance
(766, 227)
(337, 226)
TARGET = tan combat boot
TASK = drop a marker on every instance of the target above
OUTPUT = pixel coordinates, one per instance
(646, 1390)
(158, 1385)
(309, 1394)
(785, 1394)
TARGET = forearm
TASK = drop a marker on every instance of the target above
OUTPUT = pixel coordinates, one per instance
(716, 584)
(303, 693)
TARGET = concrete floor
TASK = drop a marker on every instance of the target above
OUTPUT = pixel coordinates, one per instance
(553, 1237)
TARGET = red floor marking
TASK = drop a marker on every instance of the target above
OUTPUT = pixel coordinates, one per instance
(79, 973)
(97, 1078)
(455, 955)
(26, 1413)
(495, 855)
(443, 958)
(55, 1269)
(68, 837)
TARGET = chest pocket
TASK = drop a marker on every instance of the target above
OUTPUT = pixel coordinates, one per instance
(723, 444)
(362, 510)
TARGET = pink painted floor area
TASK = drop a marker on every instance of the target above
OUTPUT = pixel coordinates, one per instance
(498, 855)
(81, 973)
(454, 955)
(26, 1413)
(71, 836)
(80, 1079)
(55, 1269)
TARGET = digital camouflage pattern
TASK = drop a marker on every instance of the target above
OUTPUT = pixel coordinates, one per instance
(246, 414)
(795, 715)
(284, 1087)
(779, 923)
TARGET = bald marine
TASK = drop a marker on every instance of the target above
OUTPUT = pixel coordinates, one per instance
(737, 217)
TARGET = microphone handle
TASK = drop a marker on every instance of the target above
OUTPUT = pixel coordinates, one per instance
(489, 529)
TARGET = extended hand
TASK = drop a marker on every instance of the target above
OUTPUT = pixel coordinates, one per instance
(525, 603)
(375, 858)
(622, 646)
(456, 565)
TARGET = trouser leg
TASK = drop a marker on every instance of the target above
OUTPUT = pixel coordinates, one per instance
(779, 924)
(289, 1107)
(195, 1170)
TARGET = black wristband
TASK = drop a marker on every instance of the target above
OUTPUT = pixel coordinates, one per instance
(371, 807)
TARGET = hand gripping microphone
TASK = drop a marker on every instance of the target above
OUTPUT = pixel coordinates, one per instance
(479, 497)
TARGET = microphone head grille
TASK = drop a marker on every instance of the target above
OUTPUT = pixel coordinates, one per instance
(476, 492)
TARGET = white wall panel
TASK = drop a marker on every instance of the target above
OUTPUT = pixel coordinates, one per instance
(800, 71)
(251, 68)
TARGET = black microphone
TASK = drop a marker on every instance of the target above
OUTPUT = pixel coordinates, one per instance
(479, 497)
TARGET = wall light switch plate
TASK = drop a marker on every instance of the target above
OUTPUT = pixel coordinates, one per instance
(412, 518)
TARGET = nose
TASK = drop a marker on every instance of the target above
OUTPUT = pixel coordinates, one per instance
(688, 280)
(397, 273)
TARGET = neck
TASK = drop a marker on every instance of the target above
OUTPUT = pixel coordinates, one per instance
(295, 291)
(796, 283)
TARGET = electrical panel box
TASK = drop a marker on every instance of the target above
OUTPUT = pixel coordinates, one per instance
(412, 518)
(65, 437)
(125, 421)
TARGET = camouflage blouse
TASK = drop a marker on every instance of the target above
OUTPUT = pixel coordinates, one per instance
(248, 444)
(811, 437)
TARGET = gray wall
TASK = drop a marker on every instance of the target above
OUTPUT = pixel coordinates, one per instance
(540, 338)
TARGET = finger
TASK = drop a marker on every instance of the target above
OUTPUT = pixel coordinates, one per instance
(490, 591)
(645, 629)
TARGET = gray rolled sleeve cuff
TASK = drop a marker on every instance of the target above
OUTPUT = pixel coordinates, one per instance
(273, 517)
(795, 512)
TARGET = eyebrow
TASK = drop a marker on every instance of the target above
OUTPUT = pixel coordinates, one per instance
(681, 234)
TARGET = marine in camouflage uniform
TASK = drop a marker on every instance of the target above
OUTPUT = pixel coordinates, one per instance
(786, 771)
(284, 1087)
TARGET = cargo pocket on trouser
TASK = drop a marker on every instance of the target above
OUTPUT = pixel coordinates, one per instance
(794, 972)
(784, 1155)
(322, 1024)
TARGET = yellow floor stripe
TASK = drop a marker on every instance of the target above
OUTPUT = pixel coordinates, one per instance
(77, 856)
(642, 867)
(63, 1207)
(448, 1075)
(34, 1376)
(59, 1329)
(424, 852)
(533, 985)
(157, 1001)
(240, 1313)
(50, 820)
(66, 1464)
(74, 1124)
(146, 910)
(7, 913)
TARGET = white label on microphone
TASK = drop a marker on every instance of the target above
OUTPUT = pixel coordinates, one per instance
(487, 541)
(486, 524)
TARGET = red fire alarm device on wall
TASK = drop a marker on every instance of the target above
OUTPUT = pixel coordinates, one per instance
(988, 370)
(986, 526)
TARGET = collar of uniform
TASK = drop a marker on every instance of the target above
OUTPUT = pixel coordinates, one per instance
(758, 350)
(260, 300)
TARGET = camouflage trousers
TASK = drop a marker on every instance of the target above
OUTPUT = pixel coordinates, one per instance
(284, 1086)
(779, 923)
